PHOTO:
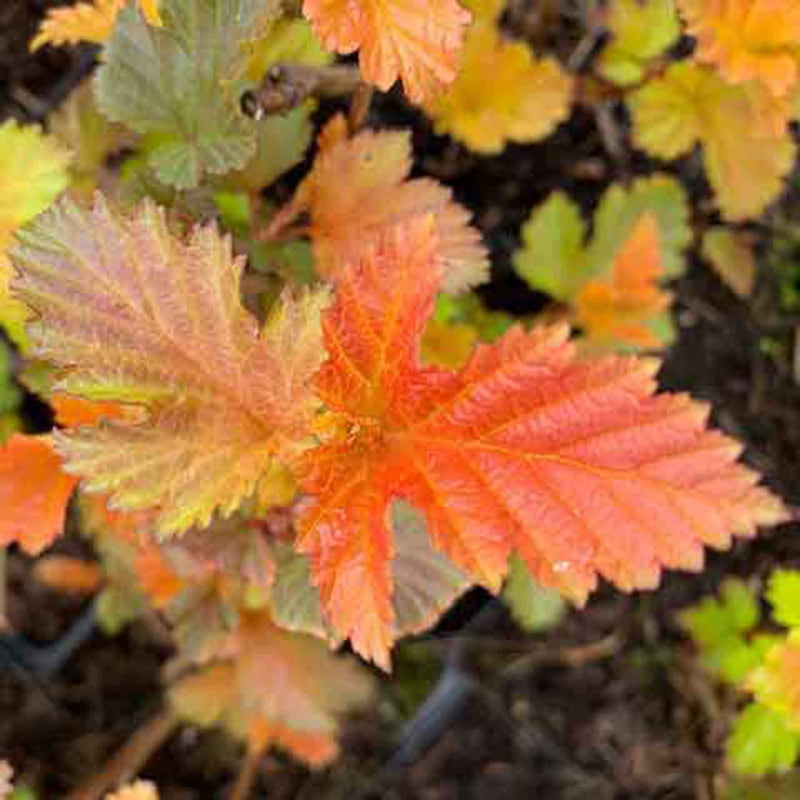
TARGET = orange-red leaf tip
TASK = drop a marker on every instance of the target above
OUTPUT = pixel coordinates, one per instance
(34, 491)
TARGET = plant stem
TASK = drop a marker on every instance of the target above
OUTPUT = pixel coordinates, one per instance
(130, 758)
(247, 774)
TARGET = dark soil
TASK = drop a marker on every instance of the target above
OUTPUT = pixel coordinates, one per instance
(609, 706)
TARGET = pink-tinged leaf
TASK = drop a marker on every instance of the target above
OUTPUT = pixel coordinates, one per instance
(136, 315)
(417, 41)
(366, 178)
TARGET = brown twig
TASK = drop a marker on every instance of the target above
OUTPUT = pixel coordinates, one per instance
(130, 758)
(566, 656)
(287, 86)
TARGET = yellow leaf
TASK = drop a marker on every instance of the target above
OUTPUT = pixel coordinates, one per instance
(139, 790)
(502, 93)
(748, 40)
(619, 307)
(90, 21)
(731, 255)
(641, 30)
(33, 170)
(776, 683)
(746, 159)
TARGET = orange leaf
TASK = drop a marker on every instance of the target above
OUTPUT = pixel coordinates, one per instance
(296, 708)
(34, 492)
(364, 178)
(417, 41)
(620, 306)
(576, 466)
(748, 39)
(67, 574)
(87, 22)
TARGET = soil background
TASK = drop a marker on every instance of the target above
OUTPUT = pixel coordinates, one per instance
(611, 705)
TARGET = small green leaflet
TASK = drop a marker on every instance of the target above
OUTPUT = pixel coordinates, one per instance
(533, 607)
(641, 30)
(719, 627)
(784, 595)
(761, 742)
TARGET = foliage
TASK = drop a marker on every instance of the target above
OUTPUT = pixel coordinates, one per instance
(176, 84)
(90, 21)
(731, 255)
(611, 281)
(415, 41)
(766, 735)
(375, 166)
(749, 40)
(640, 32)
(34, 171)
(292, 425)
(746, 157)
(533, 607)
(502, 92)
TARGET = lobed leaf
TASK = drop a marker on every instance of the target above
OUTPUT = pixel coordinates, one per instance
(761, 742)
(784, 596)
(90, 21)
(365, 178)
(640, 31)
(746, 157)
(748, 40)
(552, 257)
(135, 315)
(34, 170)
(502, 93)
(417, 41)
(577, 467)
(295, 709)
(624, 307)
(722, 628)
(176, 85)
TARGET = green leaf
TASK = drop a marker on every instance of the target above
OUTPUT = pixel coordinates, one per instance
(533, 607)
(551, 258)
(289, 39)
(176, 83)
(425, 582)
(620, 209)
(641, 30)
(761, 742)
(467, 308)
(718, 627)
(713, 621)
(281, 142)
(784, 595)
